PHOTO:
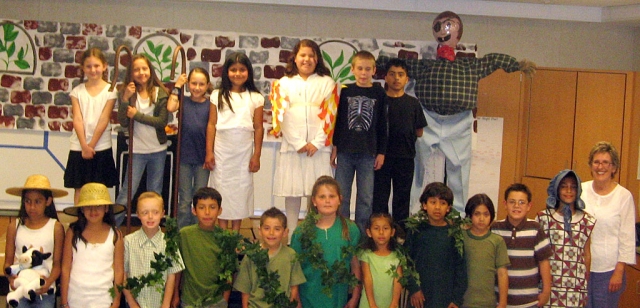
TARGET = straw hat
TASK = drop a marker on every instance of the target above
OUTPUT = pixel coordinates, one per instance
(37, 181)
(92, 194)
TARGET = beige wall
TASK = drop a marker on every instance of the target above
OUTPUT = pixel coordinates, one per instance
(548, 43)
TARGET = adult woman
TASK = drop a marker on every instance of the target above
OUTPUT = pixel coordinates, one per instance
(613, 237)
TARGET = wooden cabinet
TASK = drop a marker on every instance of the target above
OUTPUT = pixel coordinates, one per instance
(631, 296)
(566, 113)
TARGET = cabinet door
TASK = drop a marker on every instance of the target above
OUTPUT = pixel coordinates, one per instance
(599, 116)
(551, 123)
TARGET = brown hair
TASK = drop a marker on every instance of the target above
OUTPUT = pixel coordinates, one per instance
(292, 70)
(274, 213)
(326, 180)
(96, 53)
(450, 15)
(154, 81)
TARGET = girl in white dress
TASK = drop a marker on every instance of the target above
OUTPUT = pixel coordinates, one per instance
(304, 104)
(93, 255)
(236, 111)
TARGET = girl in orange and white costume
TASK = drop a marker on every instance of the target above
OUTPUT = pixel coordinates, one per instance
(304, 104)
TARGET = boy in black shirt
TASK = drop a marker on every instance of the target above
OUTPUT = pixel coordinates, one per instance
(406, 122)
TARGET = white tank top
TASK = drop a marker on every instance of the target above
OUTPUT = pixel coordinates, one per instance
(92, 274)
(43, 237)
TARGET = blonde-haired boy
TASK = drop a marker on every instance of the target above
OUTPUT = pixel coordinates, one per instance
(139, 250)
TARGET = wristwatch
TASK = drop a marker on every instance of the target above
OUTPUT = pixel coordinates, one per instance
(176, 91)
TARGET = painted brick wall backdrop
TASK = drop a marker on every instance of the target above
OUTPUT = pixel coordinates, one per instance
(39, 65)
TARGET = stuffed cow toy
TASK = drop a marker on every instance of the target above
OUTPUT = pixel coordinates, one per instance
(29, 270)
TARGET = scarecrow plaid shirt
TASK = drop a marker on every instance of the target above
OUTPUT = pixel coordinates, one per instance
(448, 88)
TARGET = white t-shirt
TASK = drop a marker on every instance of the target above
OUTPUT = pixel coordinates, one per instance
(145, 138)
(91, 108)
(244, 105)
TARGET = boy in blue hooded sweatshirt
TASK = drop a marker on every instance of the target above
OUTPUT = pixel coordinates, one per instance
(568, 228)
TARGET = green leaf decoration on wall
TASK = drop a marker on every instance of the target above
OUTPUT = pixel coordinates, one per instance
(159, 49)
(337, 55)
(9, 42)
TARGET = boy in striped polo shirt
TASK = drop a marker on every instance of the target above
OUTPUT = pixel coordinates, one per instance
(529, 251)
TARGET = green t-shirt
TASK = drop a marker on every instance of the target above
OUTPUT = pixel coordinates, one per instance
(382, 281)
(484, 255)
(283, 262)
(200, 277)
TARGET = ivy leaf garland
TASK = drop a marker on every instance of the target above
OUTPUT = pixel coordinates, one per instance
(456, 225)
(408, 268)
(161, 262)
(313, 253)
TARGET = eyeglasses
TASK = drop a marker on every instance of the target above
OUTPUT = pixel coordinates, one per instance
(513, 202)
(597, 163)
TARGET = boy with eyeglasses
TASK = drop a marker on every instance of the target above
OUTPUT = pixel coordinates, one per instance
(529, 250)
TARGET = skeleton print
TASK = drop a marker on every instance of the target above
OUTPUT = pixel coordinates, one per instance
(361, 110)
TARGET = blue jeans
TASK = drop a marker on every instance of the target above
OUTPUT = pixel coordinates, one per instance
(191, 178)
(360, 164)
(598, 290)
(46, 301)
(154, 163)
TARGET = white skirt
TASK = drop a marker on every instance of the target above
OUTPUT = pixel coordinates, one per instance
(296, 173)
(231, 176)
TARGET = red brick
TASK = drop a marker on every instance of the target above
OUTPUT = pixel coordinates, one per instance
(91, 29)
(78, 56)
(76, 42)
(54, 126)
(72, 71)
(273, 42)
(67, 126)
(124, 59)
(44, 53)
(30, 24)
(32, 111)
(224, 41)
(9, 81)
(18, 97)
(407, 54)
(273, 72)
(210, 55)
(135, 31)
(191, 54)
(172, 31)
(56, 84)
(184, 38)
(7, 122)
(58, 112)
(216, 70)
(284, 55)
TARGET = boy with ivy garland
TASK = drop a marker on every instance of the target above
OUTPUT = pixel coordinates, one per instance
(275, 267)
(140, 249)
(434, 247)
(199, 285)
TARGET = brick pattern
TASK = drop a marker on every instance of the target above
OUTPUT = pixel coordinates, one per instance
(41, 100)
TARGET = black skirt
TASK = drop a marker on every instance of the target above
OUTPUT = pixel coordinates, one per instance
(100, 169)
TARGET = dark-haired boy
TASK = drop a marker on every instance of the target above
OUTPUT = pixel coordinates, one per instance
(282, 259)
(406, 122)
(198, 285)
(442, 269)
(529, 250)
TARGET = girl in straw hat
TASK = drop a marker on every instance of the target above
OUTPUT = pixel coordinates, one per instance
(93, 258)
(37, 226)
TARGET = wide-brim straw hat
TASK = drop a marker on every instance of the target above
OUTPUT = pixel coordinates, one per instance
(39, 182)
(93, 194)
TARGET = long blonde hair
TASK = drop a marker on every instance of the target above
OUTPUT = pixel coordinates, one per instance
(154, 81)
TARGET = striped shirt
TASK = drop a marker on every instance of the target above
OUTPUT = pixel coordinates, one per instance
(527, 246)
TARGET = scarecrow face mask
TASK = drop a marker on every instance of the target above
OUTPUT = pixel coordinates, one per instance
(445, 31)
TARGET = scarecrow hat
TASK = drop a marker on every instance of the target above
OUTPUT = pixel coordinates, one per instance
(39, 182)
(93, 194)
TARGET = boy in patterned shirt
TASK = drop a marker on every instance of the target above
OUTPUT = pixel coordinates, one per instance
(529, 250)
(139, 250)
